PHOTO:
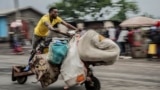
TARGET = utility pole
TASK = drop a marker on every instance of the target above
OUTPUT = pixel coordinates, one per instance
(16, 6)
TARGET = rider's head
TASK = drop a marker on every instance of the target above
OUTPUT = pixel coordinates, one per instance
(53, 12)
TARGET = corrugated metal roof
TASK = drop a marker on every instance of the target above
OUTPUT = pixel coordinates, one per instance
(13, 10)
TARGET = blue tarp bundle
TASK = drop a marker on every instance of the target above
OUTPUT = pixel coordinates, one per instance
(59, 51)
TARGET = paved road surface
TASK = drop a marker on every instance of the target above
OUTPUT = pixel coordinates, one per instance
(129, 74)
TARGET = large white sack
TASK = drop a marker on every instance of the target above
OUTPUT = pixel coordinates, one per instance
(72, 69)
(94, 47)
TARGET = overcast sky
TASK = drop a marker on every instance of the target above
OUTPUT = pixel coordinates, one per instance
(149, 6)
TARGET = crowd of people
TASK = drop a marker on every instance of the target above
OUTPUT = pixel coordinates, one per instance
(127, 38)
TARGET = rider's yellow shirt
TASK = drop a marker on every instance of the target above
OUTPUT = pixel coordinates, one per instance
(41, 29)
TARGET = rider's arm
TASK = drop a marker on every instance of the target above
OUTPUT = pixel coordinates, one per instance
(53, 29)
(69, 25)
(49, 26)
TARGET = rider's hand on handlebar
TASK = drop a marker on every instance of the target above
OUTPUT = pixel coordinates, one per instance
(75, 32)
(71, 33)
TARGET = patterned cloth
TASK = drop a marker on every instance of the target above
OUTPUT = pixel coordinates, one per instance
(45, 72)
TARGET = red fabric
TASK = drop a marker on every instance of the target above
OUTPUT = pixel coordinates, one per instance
(131, 37)
(158, 24)
(25, 29)
(137, 43)
(18, 49)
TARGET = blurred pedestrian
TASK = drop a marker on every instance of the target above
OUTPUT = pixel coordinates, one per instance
(112, 33)
(122, 39)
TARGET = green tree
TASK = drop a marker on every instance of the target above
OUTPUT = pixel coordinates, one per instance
(79, 8)
(125, 8)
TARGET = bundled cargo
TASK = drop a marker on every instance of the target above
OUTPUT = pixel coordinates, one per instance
(73, 70)
(45, 72)
(93, 47)
(57, 51)
(65, 58)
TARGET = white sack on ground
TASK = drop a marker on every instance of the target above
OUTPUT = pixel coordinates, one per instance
(94, 47)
